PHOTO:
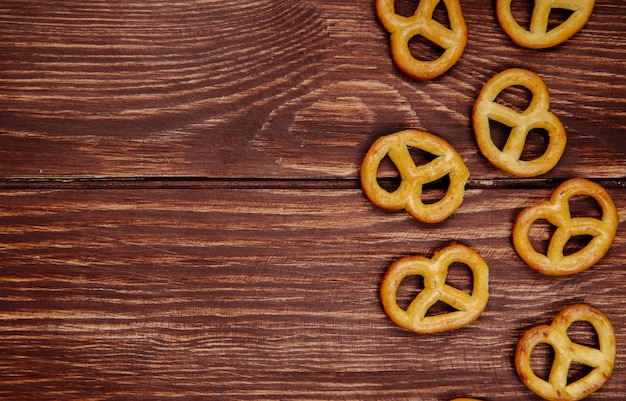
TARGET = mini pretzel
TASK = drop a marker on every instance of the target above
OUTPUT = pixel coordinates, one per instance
(538, 37)
(535, 116)
(408, 196)
(434, 271)
(557, 212)
(601, 360)
(402, 29)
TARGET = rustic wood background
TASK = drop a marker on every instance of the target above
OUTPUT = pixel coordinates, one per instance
(181, 216)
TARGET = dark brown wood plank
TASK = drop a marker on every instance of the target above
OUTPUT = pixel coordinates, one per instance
(181, 216)
(170, 293)
(266, 88)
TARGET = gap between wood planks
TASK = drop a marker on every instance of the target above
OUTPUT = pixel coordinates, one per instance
(261, 183)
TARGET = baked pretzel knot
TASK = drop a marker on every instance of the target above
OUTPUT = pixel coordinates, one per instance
(538, 36)
(557, 212)
(402, 29)
(536, 116)
(600, 360)
(468, 307)
(408, 195)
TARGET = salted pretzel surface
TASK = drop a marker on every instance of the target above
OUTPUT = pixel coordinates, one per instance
(468, 307)
(539, 36)
(556, 211)
(408, 195)
(601, 360)
(535, 116)
(402, 29)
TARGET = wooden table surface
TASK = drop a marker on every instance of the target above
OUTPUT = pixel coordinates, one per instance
(181, 215)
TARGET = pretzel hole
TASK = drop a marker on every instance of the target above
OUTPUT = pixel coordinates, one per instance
(581, 332)
(388, 176)
(584, 206)
(421, 157)
(516, 97)
(557, 17)
(435, 191)
(408, 290)
(576, 243)
(541, 360)
(522, 11)
(424, 50)
(536, 144)
(441, 15)
(461, 277)
(405, 8)
(540, 233)
(499, 133)
(577, 371)
(440, 308)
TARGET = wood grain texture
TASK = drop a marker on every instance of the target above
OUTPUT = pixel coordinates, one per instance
(180, 214)
(196, 88)
(261, 294)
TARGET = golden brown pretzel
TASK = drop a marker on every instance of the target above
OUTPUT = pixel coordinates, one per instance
(402, 29)
(557, 212)
(434, 271)
(601, 360)
(539, 37)
(536, 115)
(409, 194)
